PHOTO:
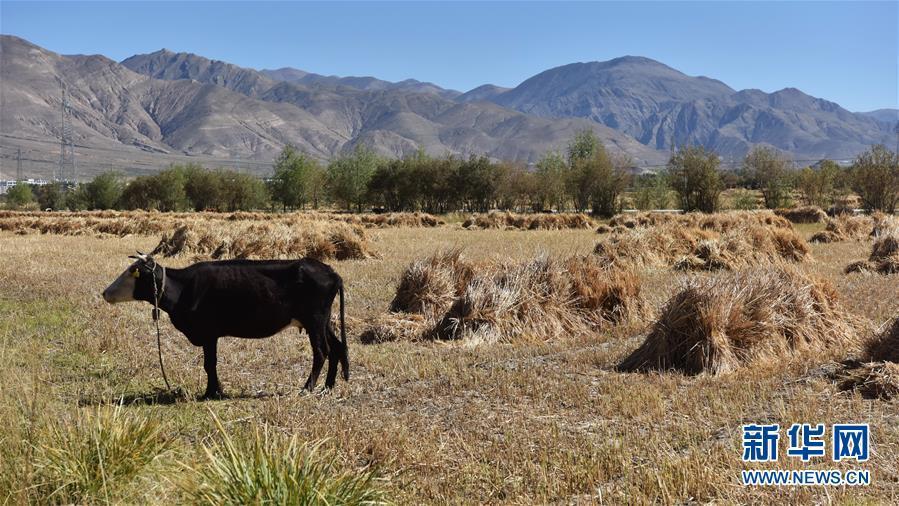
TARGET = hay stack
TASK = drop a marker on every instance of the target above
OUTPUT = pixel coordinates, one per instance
(693, 248)
(741, 248)
(429, 286)
(878, 376)
(884, 257)
(718, 222)
(873, 380)
(804, 214)
(254, 239)
(717, 325)
(653, 246)
(845, 228)
(396, 327)
(540, 299)
(541, 221)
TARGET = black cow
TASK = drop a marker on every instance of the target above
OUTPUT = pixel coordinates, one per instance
(243, 298)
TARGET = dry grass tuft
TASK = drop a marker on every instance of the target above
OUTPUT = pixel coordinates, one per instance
(319, 240)
(805, 214)
(541, 299)
(507, 220)
(720, 324)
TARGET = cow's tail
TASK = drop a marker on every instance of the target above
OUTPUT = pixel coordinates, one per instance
(345, 359)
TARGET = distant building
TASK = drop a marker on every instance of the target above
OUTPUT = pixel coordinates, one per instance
(6, 184)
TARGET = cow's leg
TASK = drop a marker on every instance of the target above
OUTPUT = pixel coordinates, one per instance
(336, 352)
(319, 346)
(213, 389)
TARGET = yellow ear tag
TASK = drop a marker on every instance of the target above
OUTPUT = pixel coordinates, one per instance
(135, 273)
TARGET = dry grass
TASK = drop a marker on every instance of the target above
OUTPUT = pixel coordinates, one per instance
(718, 222)
(755, 316)
(541, 299)
(884, 257)
(520, 422)
(804, 214)
(124, 223)
(877, 377)
(845, 227)
(693, 248)
(508, 221)
(431, 285)
(319, 240)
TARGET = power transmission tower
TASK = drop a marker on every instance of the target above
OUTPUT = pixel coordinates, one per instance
(66, 145)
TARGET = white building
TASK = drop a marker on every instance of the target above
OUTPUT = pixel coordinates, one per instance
(6, 184)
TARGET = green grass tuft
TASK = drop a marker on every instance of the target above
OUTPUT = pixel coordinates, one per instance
(270, 470)
(98, 456)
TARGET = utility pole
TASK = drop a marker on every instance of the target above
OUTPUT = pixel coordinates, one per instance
(66, 146)
(18, 164)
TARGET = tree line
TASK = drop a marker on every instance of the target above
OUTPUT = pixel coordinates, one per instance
(585, 177)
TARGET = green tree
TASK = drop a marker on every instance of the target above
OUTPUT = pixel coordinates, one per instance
(875, 177)
(104, 191)
(652, 192)
(595, 181)
(348, 177)
(77, 200)
(19, 195)
(769, 172)
(294, 182)
(242, 192)
(51, 196)
(551, 174)
(203, 188)
(168, 189)
(582, 147)
(164, 191)
(473, 183)
(694, 176)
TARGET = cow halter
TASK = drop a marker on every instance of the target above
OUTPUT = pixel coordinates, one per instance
(158, 292)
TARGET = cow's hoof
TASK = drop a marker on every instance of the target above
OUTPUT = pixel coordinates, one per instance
(212, 396)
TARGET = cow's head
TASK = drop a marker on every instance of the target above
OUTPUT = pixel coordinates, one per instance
(136, 283)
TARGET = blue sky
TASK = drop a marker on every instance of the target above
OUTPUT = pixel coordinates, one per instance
(842, 51)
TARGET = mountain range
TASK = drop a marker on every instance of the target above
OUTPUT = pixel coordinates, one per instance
(152, 109)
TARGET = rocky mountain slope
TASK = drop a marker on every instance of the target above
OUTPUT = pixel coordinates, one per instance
(185, 105)
(662, 107)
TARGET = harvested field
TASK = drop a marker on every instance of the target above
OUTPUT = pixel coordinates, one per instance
(492, 302)
(509, 221)
(693, 248)
(805, 214)
(524, 420)
(759, 316)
